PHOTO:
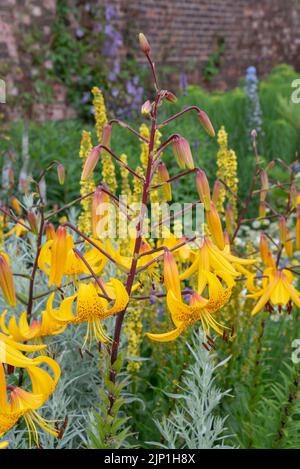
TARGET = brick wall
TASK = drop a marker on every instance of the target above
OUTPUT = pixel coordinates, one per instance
(183, 34)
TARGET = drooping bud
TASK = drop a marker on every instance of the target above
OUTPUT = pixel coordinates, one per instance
(163, 176)
(59, 253)
(270, 261)
(100, 198)
(282, 230)
(229, 220)
(288, 247)
(61, 174)
(90, 163)
(216, 191)
(264, 185)
(33, 222)
(215, 226)
(16, 205)
(50, 231)
(182, 152)
(264, 248)
(6, 281)
(203, 188)
(106, 135)
(293, 195)
(171, 275)
(146, 108)
(298, 229)
(144, 44)
(206, 123)
(262, 209)
(170, 97)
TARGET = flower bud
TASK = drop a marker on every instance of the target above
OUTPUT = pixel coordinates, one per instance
(206, 123)
(170, 97)
(229, 220)
(32, 222)
(146, 108)
(282, 230)
(144, 44)
(90, 163)
(203, 188)
(216, 191)
(50, 231)
(16, 205)
(99, 198)
(106, 135)
(262, 209)
(293, 195)
(264, 248)
(182, 152)
(264, 185)
(6, 281)
(171, 275)
(163, 176)
(215, 226)
(288, 247)
(61, 174)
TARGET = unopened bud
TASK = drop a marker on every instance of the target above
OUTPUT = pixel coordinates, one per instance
(282, 230)
(216, 191)
(262, 209)
(6, 281)
(203, 188)
(182, 152)
(90, 163)
(16, 205)
(100, 198)
(61, 174)
(59, 254)
(146, 108)
(215, 226)
(50, 231)
(264, 185)
(264, 248)
(206, 123)
(106, 135)
(163, 176)
(170, 97)
(144, 44)
(293, 195)
(32, 222)
(171, 275)
(288, 247)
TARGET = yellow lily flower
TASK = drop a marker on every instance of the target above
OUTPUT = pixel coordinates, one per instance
(276, 288)
(6, 280)
(18, 230)
(223, 264)
(200, 308)
(90, 307)
(57, 258)
(3, 444)
(125, 261)
(170, 241)
(11, 352)
(23, 331)
(23, 403)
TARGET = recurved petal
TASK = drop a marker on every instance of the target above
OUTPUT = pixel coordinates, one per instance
(167, 336)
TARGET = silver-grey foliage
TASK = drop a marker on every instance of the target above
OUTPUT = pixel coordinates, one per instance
(195, 422)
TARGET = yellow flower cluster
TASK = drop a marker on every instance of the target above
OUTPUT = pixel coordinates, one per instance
(108, 167)
(227, 172)
(133, 330)
(144, 131)
(125, 184)
(86, 186)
